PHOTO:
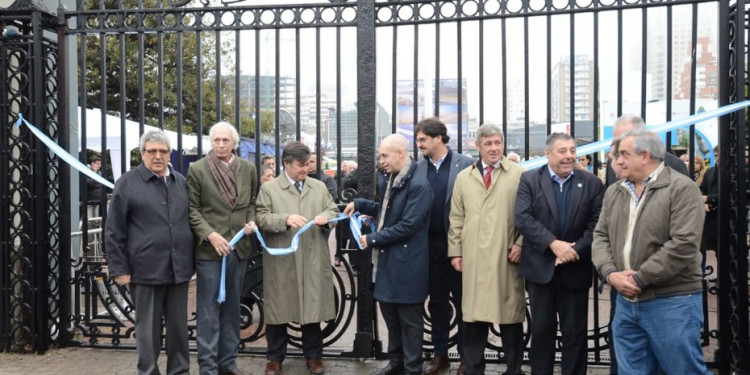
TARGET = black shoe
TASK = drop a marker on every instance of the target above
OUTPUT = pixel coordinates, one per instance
(391, 369)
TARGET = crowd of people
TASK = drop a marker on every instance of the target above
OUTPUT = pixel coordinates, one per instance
(485, 232)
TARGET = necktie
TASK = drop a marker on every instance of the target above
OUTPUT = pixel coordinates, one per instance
(298, 185)
(488, 177)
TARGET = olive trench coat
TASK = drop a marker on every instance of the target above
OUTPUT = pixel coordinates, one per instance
(297, 287)
(482, 232)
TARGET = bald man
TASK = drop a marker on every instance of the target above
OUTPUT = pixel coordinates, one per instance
(400, 252)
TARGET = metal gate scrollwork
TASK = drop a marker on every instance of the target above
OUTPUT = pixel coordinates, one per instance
(52, 294)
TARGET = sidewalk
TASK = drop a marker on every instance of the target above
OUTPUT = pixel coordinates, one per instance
(88, 361)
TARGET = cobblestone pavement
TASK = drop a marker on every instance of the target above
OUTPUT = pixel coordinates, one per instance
(89, 361)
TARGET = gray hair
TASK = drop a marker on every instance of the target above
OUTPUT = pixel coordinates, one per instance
(157, 136)
(266, 157)
(225, 125)
(489, 129)
(634, 120)
(644, 140)
(554, 137)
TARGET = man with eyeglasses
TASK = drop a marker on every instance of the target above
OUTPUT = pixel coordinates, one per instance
(150, 248)
(222, 188)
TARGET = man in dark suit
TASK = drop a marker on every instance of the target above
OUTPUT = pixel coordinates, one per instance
(624, 125)
(440, 167)
(556, 211)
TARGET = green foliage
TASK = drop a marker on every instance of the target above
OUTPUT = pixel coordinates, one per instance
(104, 59)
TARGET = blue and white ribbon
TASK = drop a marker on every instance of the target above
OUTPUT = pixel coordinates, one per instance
(64, 155)
(603, 145)
(355, 225)
(273, 251)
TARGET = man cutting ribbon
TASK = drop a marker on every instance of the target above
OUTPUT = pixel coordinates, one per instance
(297, 287)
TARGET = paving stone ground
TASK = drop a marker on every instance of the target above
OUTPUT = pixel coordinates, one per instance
(90, 361)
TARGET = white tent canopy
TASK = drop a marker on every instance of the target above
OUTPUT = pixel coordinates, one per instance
(94, 138)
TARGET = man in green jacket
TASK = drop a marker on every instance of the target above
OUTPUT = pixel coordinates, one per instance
(221, 189)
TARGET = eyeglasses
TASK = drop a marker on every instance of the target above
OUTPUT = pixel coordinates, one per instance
(154, 151)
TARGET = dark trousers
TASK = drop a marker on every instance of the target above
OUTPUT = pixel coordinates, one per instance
(548, 301)
(444, 281)
(475, 341)
(218, 324)
(404, 323)
(277, 338)
(151, 303)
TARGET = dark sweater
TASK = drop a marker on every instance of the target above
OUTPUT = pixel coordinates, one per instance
(438, 180)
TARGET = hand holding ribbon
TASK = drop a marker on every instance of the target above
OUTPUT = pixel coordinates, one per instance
(273, 251)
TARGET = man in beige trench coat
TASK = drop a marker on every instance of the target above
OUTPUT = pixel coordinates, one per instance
(297, 287)
(485, 247)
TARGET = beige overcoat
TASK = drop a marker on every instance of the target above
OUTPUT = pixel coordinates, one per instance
(297, 287)
(482, 231)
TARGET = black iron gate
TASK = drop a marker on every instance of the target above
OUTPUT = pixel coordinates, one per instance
(281, 72)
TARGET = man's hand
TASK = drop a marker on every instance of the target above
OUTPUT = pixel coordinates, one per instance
(321, 220)
(220, 244)
(349, 209)
(624, 282)
(564, 251)
(122, 280)
(515, 254)
(363, 241)
(250, 227)
(296, 221)
(457, 263)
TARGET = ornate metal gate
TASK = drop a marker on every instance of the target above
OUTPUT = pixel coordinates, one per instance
(181, 66)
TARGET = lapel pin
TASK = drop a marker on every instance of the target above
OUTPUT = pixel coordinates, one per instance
(580, 185)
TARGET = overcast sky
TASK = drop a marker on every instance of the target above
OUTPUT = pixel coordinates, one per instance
(560, 31)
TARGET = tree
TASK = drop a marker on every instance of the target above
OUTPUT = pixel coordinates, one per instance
(104, 59)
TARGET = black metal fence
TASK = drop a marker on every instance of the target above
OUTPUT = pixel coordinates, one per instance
(340, 76)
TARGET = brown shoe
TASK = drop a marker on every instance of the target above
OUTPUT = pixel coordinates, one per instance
(460, 370)
(273, 368)
(315, 365)
(437, 363)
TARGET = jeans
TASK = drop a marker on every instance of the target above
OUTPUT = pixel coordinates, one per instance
(662, 332)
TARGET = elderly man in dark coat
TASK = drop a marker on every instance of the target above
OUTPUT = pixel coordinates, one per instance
(150, 248)
(400, 254)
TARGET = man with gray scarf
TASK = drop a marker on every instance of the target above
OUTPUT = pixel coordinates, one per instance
(221, 189)
(400, 252)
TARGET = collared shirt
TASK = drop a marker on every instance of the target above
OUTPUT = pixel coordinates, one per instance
(439, 161)
(494, 166)
(634, 209)
(228, 162)
(292, 181)
(166, 180)
(631, 185)
(557, 178)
